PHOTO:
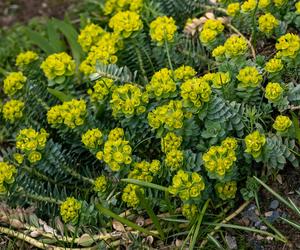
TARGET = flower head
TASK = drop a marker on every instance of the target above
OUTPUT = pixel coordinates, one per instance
(233, 9)
(226, 190)
(162, 29)
(26, 58)
(235, 46)
(13, 110)
(92, 138)
(89, 36)
(274, 65)
(282, 123)
(254, 143)
(13, 83)
(69, 209)
(7, 173)
(267, 23)
(100, 184)
(288, 45)
(273, 92)
(249, 77)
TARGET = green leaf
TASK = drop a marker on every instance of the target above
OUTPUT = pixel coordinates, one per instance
(109, 213)
(60, 95)
(296, 125)
(40, 41)
(146, 184)
(54, 37)
(146, 205)
(71, 35)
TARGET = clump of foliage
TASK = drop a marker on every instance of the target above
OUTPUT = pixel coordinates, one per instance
(158, 107)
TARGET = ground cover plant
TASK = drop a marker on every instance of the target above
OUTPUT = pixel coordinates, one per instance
(147, 122)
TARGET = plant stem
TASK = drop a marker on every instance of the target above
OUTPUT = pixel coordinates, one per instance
(77, 175)
(228, 218)
(40, 197)
(230, 26)
(145, 184)
(168, 55)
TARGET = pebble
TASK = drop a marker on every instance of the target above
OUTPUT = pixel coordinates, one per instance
(268, 214)
(274, 216)
(274, 204)
(231, 242)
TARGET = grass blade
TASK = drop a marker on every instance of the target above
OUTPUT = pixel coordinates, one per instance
(109, 213)
(292, 223)
(54, 37)
(40, 41)
(145, 204)
(216, 242)
(145, 184)
(60, 95)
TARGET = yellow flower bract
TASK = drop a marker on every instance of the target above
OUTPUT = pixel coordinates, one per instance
(13, 83)
(26, 58)
(69, 209)
(282, 123)
(162, 29)
(13, 110)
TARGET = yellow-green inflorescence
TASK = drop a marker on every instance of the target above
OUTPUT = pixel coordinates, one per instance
(89, 36)
(233, 9)
(13, 110)
(195, 92)
(125, 23)
(69, 210)
(274, 65)
(220, 79)
(169, 115)
(25, 58)
(13, 83)
(219, 160)
(248, 6)
(71, 114)
(219, 52)
(92, 139)
(189, 211)
(227, 190)
(130, 196)
(117, 151)
(279, 3)
(31, 142)
(288, 46)
(161, 85)
(7, 175)
(128, 100)
(144, 170)
(235, 46)
(297, 5)
(211, 29)
(58, 65)
(249, 77)
(282, 123)
(170, 146)
(162, 29)
(101, 89)
(263, 4)
(267, 23)
(187, 185)
(113, 6)
(184, 73)
(274, 92)
(100, 184)
(254, 143)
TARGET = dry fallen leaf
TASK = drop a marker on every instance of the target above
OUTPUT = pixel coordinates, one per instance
(118, 226)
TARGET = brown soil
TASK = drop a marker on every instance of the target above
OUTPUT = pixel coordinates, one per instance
(12, 11)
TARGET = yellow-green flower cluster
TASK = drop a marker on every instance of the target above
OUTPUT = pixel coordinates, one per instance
(249, 5)
(26, 58)
(170, 146)
(267, 23)
(227, 190)
(19, 158)
(58, 65)
(262, 4)
(92, 138)
(274, 65)
(144, 170)
(297, 5)
(161, 85)
(274, 91)
(112, 6)
(71, 114)
(282, 123)
(288, 45)
(130, 196)
(195, 92)
(189, 211)
(254, 143)
(211, 29)
(125, 23)
(235, 46)
(69, 209)
(30, 142)
(13, 110)
(233, 9)
(249, 77)
(100, 184)
(13, 82)
(103, 52)
(279, 3)
(117, 150)
(219, 52)
(162, 29)
(219, 160)
(169, 115)
(101, 89)
(187, 185)
(89, 36)
(220, 79)
(128, 100)
(184, 73)
(7, 172)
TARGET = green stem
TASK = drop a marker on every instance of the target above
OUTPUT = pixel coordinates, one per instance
(254, 27)
(168, 55)
(77, 175)
(40, 197)
(33, 171)
(146, 184)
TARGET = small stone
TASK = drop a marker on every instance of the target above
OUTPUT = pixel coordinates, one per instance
(274, 204)
(263, 228)
(274, 216)
(259, 237)
(257, 224)
(268, 214)
(245, 221)
(231, 242)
